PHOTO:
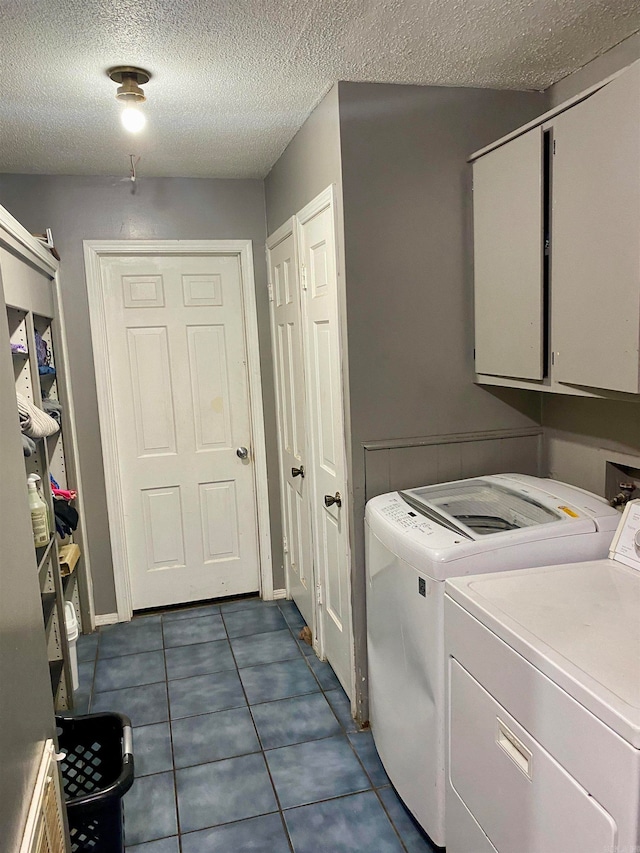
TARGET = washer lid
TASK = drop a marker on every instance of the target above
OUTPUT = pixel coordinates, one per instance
(482, 507)
(577, 623)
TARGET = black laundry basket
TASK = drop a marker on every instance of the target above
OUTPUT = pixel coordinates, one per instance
(97, 771)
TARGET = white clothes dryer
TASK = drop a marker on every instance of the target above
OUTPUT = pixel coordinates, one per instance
(417, 539)
(544, 706)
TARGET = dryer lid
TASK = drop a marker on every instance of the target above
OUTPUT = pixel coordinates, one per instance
(577, 623)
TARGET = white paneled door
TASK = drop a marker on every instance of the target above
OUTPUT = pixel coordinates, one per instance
(178, 375)
(290, 403)
(326, 434)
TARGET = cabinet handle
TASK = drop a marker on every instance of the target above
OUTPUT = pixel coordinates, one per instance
(330, 500)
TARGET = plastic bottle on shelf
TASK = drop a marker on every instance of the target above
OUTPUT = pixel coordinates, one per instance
(38, 507)
(37, 479)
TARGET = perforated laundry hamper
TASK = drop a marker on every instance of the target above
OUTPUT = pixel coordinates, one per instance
(97, 771)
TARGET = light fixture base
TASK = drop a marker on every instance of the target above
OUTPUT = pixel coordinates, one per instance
(130, 79)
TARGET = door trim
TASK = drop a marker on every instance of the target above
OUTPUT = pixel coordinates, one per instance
(94, 251)
(287, 229)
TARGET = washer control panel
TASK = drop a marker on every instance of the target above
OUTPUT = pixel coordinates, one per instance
(405, 517)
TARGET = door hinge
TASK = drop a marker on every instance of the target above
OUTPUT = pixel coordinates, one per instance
(554, 146)
(270, 291)
(285, 545)
(303, 276)
(318, 594)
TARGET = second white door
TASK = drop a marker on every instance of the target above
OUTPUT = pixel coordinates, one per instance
(308, 367)
(326, 433)
(177, 361)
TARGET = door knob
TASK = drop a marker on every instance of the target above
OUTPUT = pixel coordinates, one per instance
(336, 499)
(298, 472)
(242, 453)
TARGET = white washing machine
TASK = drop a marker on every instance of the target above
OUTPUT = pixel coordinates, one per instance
(544, 713)
(417, 539)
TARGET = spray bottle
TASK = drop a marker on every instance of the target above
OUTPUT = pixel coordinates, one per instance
(39, 514)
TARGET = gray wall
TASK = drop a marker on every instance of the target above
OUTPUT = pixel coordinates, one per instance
(581, 435)
(26, 707)
(401, 176)
(408, 225)
(81, 208)
(407, 213)
(309, 164)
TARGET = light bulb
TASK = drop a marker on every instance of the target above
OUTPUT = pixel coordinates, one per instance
(133, 120)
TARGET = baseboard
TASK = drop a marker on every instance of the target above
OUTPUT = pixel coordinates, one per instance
(279, 593)
(106, 619)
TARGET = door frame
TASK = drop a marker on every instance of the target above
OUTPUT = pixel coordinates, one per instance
(94, 252)
(287, 229)
(290, 229)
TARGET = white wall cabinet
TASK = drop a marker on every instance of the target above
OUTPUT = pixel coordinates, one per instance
(557, 250)
(508, 259)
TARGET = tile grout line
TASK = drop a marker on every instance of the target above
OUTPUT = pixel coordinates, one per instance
(173, 763)
(255, 728)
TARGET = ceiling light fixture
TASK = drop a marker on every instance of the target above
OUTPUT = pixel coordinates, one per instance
(130, 94)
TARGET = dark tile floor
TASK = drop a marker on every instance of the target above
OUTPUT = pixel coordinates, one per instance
(243, 739)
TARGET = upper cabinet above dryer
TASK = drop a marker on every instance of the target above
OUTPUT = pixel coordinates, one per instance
(557, 249)
(596, 239)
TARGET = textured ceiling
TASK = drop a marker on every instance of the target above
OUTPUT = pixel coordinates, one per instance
(234, 79)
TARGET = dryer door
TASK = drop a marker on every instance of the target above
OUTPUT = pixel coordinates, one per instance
(521, 797)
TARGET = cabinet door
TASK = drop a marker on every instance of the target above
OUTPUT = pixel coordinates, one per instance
(595, 277)
(508, 199)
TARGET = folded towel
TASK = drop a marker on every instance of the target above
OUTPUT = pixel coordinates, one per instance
(33, 421)
(65, 494)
